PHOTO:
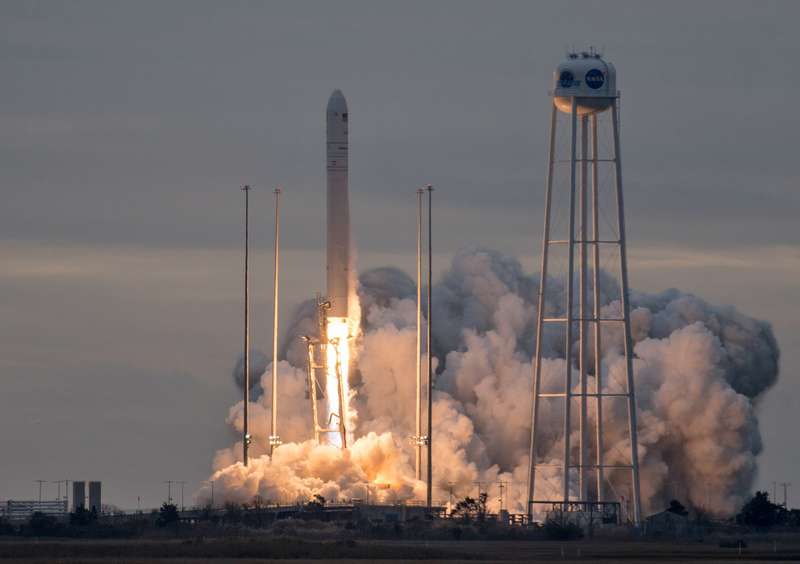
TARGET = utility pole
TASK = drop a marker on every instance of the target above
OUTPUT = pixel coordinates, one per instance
(59, 482)
(169, 490)
(182, 506)
(785, 485)
(212, 490)
(40, 488)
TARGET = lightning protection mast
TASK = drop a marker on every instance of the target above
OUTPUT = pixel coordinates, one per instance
(245, 432)
(583, 244)
(274, 437)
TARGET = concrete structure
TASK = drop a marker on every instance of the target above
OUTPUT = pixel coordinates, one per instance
(94, 497)
(78, 495)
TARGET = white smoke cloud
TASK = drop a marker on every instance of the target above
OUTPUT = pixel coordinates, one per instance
(699, 370)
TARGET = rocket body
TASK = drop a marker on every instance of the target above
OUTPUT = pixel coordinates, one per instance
(338, 214)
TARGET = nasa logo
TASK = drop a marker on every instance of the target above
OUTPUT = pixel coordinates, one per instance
(566, 80)
(594, 79)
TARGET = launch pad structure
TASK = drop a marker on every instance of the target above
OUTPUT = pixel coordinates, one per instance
(324, 364)
(588, 194)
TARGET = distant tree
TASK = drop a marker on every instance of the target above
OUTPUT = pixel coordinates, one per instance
(233, 513)
(109, 509)
(42, 525)
(701, 516)
(82, 517)
(470, 510)
(793, 518)
(6, 528)
(761, 513)
(556, 529)
(677, 508)
(168, 513)
(317, 503)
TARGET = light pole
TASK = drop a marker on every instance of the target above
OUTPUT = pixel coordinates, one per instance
(502, 487)
(40, 488)
(169, 490)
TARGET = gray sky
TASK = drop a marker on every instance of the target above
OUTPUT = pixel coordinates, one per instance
(128, 126)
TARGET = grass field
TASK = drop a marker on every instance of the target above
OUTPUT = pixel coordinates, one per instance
(265, 549)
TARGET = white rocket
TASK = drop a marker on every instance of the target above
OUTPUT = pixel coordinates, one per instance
(338, 205)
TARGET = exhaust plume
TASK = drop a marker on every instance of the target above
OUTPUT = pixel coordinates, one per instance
(699, 372)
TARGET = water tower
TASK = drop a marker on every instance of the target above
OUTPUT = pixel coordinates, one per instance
(583, 371)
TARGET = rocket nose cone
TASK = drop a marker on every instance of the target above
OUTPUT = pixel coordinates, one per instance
(337, 101)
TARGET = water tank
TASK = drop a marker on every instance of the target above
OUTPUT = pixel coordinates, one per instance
(587, 78)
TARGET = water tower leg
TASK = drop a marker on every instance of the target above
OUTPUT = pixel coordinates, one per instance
(626, 309)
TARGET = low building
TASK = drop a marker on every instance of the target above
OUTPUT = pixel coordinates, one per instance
(667, 524)
(22, 510)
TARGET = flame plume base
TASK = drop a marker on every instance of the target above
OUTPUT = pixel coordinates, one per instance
(336, 369)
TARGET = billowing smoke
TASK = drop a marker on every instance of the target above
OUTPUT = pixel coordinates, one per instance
(699, 371)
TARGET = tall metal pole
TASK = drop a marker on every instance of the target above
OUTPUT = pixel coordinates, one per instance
(569, 312)
(274, 439)
(40, 488)
(785, 485)
(540, 316)
(182, 482)
(626, 311)
(212, 491)
(584, 312)
(418, 444)
(169, 490)
(598, 374)
(245, 433)
(430, 350)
